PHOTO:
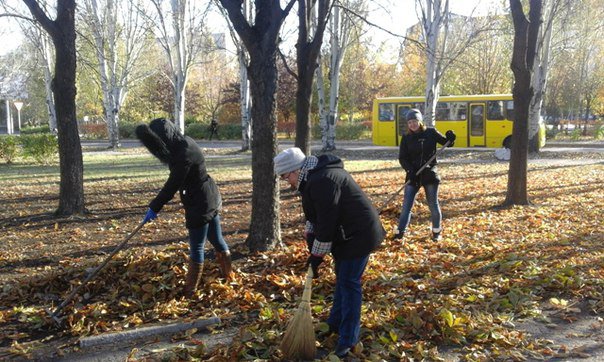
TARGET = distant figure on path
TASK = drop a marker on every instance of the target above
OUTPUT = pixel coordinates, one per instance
(213, 128)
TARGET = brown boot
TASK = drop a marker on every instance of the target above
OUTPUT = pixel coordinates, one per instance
(193, 277)
(224, 262)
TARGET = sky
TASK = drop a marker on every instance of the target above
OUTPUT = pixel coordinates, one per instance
(394, 15)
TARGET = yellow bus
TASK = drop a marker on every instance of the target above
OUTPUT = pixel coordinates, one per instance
(477, 120)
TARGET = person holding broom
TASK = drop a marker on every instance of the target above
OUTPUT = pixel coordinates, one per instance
(341, 220)
(416, 148)
(198, 193)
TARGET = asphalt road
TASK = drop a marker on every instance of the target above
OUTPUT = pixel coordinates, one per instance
(551, 146)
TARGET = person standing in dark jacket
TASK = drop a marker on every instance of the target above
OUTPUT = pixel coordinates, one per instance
(341, 220)
(198, 193)
(416, 148)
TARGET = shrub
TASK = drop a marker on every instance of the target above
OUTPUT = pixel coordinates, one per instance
(198, 131)
(8, 148)
(289, 128)
(35, 130)
(551, 133)
(346, 131)
(93, 130)
(576, 134)
(43, 148)
(599, 133)
(225, 131)
(127, 129)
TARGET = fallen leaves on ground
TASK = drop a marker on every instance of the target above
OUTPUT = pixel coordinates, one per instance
(493, 267)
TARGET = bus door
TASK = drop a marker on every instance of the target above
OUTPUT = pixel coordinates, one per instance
(476, 128)
(401, 121)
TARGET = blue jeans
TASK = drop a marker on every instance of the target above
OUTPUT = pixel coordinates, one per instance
(197, 239)
(345, 314)
(432, 198)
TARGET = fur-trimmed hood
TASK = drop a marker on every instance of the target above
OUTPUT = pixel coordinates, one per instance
(161, 138)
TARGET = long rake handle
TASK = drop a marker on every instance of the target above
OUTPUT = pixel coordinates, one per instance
(119, 247)
(416, 174)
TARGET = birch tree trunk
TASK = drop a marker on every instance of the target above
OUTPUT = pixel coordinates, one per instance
(338, 42)
(245, 102)
(115, 24)
(39, 38)
(435, 16)
(182, 41)
(46, 53)
(539, 77)
(244, 91)
(340, 31)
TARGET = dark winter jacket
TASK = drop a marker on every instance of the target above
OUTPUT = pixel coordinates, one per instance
(416, 149)
(198, 191)
(340, 210)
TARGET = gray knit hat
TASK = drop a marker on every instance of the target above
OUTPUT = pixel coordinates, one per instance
(414, 113)
(289, 160)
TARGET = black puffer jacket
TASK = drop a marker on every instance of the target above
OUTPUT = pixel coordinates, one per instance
(198, 191)
(416, 149)
(340, 210)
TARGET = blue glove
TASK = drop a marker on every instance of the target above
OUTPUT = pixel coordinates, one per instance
(450, 137)
(314, 261)
(150, 215)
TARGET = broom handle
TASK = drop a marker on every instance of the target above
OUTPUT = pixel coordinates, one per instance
(307, 286)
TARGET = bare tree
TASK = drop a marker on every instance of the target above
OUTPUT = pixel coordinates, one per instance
(440, 48)
(41, 42)
(119, 39)
(63, 34)
(526, 33)
(340, 27)
(541, 70)
(181, 33)
(244, 82)
(308, 48)
(260, 38)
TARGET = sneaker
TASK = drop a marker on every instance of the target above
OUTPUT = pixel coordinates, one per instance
(436, 236)
(398, 235)
(342, 351)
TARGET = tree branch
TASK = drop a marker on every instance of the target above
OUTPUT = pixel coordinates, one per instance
(41, 17)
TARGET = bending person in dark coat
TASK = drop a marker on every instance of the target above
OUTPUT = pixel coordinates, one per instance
(341, 220)
(198, 193)
(417, 147)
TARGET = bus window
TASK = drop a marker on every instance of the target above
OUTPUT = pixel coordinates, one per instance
(495, 110)
(457, 111)
(386, 111)
(509, 110)
(442, 111)
(477, 121)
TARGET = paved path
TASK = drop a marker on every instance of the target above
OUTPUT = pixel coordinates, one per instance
(552, 146)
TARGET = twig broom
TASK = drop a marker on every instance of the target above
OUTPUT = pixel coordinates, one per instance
(299, 338)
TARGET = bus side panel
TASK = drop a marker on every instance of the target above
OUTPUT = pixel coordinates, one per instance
(459, 127)
(383, 132)
(497, 131)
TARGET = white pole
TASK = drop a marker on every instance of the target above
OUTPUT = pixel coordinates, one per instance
(9, 119)
(18, 105)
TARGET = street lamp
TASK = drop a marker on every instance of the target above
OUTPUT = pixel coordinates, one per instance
(18, 105)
